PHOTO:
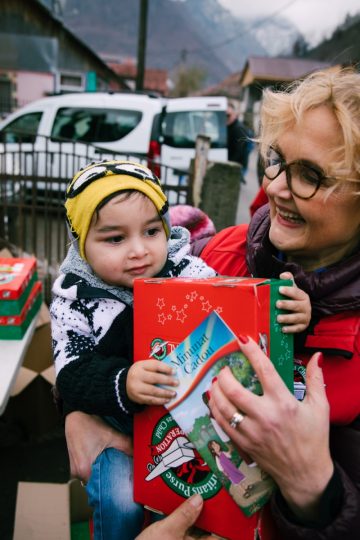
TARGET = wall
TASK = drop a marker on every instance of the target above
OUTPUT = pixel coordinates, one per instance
(31, 86)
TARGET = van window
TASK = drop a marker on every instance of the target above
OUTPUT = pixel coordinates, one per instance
(180, 129)
(22, 130)
(94, 125)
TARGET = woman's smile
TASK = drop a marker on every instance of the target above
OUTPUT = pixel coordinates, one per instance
(286, 217)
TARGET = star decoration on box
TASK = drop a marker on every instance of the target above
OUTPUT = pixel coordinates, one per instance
(192, 296)
(181, 315)
(206, 306)
(160, 303)
(161, 318)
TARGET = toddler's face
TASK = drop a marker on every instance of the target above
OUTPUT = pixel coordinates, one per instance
(126, 240)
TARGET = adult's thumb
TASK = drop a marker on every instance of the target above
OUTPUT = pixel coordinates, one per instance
(186, 514)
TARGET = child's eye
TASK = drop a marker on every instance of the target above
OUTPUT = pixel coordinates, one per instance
(152, 232)
(114, 239)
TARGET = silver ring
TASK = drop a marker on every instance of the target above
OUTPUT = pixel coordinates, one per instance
(236, 419)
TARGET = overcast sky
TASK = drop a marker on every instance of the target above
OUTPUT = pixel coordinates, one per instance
(316, 19)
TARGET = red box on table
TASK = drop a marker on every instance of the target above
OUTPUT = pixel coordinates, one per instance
(15, 276)
(165, 312)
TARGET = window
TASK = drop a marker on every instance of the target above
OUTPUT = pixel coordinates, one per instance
(70, 82)
(94, 125)
(22, 130)
(180, 129)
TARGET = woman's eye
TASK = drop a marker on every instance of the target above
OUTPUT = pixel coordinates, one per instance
(310, 176)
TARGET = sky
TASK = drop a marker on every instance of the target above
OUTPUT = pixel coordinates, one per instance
(316, 19)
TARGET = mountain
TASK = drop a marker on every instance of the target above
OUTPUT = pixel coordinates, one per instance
(180, 32)
(343, 46)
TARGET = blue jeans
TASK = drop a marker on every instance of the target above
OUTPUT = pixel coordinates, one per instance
(110, 492)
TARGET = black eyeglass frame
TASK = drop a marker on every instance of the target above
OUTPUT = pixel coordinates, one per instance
(287, 168)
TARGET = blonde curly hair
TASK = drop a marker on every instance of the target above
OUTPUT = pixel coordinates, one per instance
(337, 89)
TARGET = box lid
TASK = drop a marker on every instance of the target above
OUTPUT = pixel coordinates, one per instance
(15, 274)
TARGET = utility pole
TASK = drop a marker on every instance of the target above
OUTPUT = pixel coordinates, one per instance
(141, 53)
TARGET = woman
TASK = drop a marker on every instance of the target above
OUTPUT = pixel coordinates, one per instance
(310, 142)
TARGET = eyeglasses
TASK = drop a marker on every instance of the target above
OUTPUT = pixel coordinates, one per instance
(303, 179)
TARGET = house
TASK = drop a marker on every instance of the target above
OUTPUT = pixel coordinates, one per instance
(155, 80)
(39, 56)
(229, 87)
(260, 72)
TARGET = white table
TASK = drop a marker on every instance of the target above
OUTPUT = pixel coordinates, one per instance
(12, 352)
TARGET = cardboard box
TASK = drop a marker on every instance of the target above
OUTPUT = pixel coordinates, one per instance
(31, 406)
(47, 511)
(166, 311)
(14, 326)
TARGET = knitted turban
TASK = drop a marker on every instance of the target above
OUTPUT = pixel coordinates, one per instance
(91, 185)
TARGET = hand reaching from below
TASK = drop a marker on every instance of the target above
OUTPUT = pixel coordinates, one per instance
(176, 525)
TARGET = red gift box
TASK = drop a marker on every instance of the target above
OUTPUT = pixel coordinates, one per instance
(15, 326)
(165, 312)
(15, 275)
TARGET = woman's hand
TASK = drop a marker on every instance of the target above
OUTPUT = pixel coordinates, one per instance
(176, 525)
(143, 378)
(287, 438)
(86, 437)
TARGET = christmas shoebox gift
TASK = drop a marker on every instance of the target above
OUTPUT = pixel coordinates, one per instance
(167, 468)
(17, 278)
(14, 326)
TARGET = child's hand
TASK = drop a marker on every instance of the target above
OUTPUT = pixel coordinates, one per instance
(299, 305)
(143, 376)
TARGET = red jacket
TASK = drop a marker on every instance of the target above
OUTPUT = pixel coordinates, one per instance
(337, 335)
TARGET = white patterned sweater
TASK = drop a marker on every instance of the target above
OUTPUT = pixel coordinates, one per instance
(92, 330)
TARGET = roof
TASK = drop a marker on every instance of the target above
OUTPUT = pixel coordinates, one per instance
(36, 4)
(263, 68)
(229, 87)
(155, 79)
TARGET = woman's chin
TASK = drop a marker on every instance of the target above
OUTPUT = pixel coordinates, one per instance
(283, 240)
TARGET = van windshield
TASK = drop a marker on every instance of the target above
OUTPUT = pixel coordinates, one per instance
(22, 130)
(94, 125)
(180, 129)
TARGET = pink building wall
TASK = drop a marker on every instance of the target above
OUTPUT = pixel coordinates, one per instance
(33, 85)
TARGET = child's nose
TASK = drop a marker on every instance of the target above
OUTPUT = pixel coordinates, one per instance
(137, 248)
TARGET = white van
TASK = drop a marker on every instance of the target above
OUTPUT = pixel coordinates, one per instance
(48, 134)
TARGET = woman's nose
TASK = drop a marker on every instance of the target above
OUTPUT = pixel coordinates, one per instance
(277, 187)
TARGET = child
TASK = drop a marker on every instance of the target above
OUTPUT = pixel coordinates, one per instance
(118, 218)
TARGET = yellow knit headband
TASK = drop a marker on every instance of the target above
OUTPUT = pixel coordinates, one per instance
(92, 185)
